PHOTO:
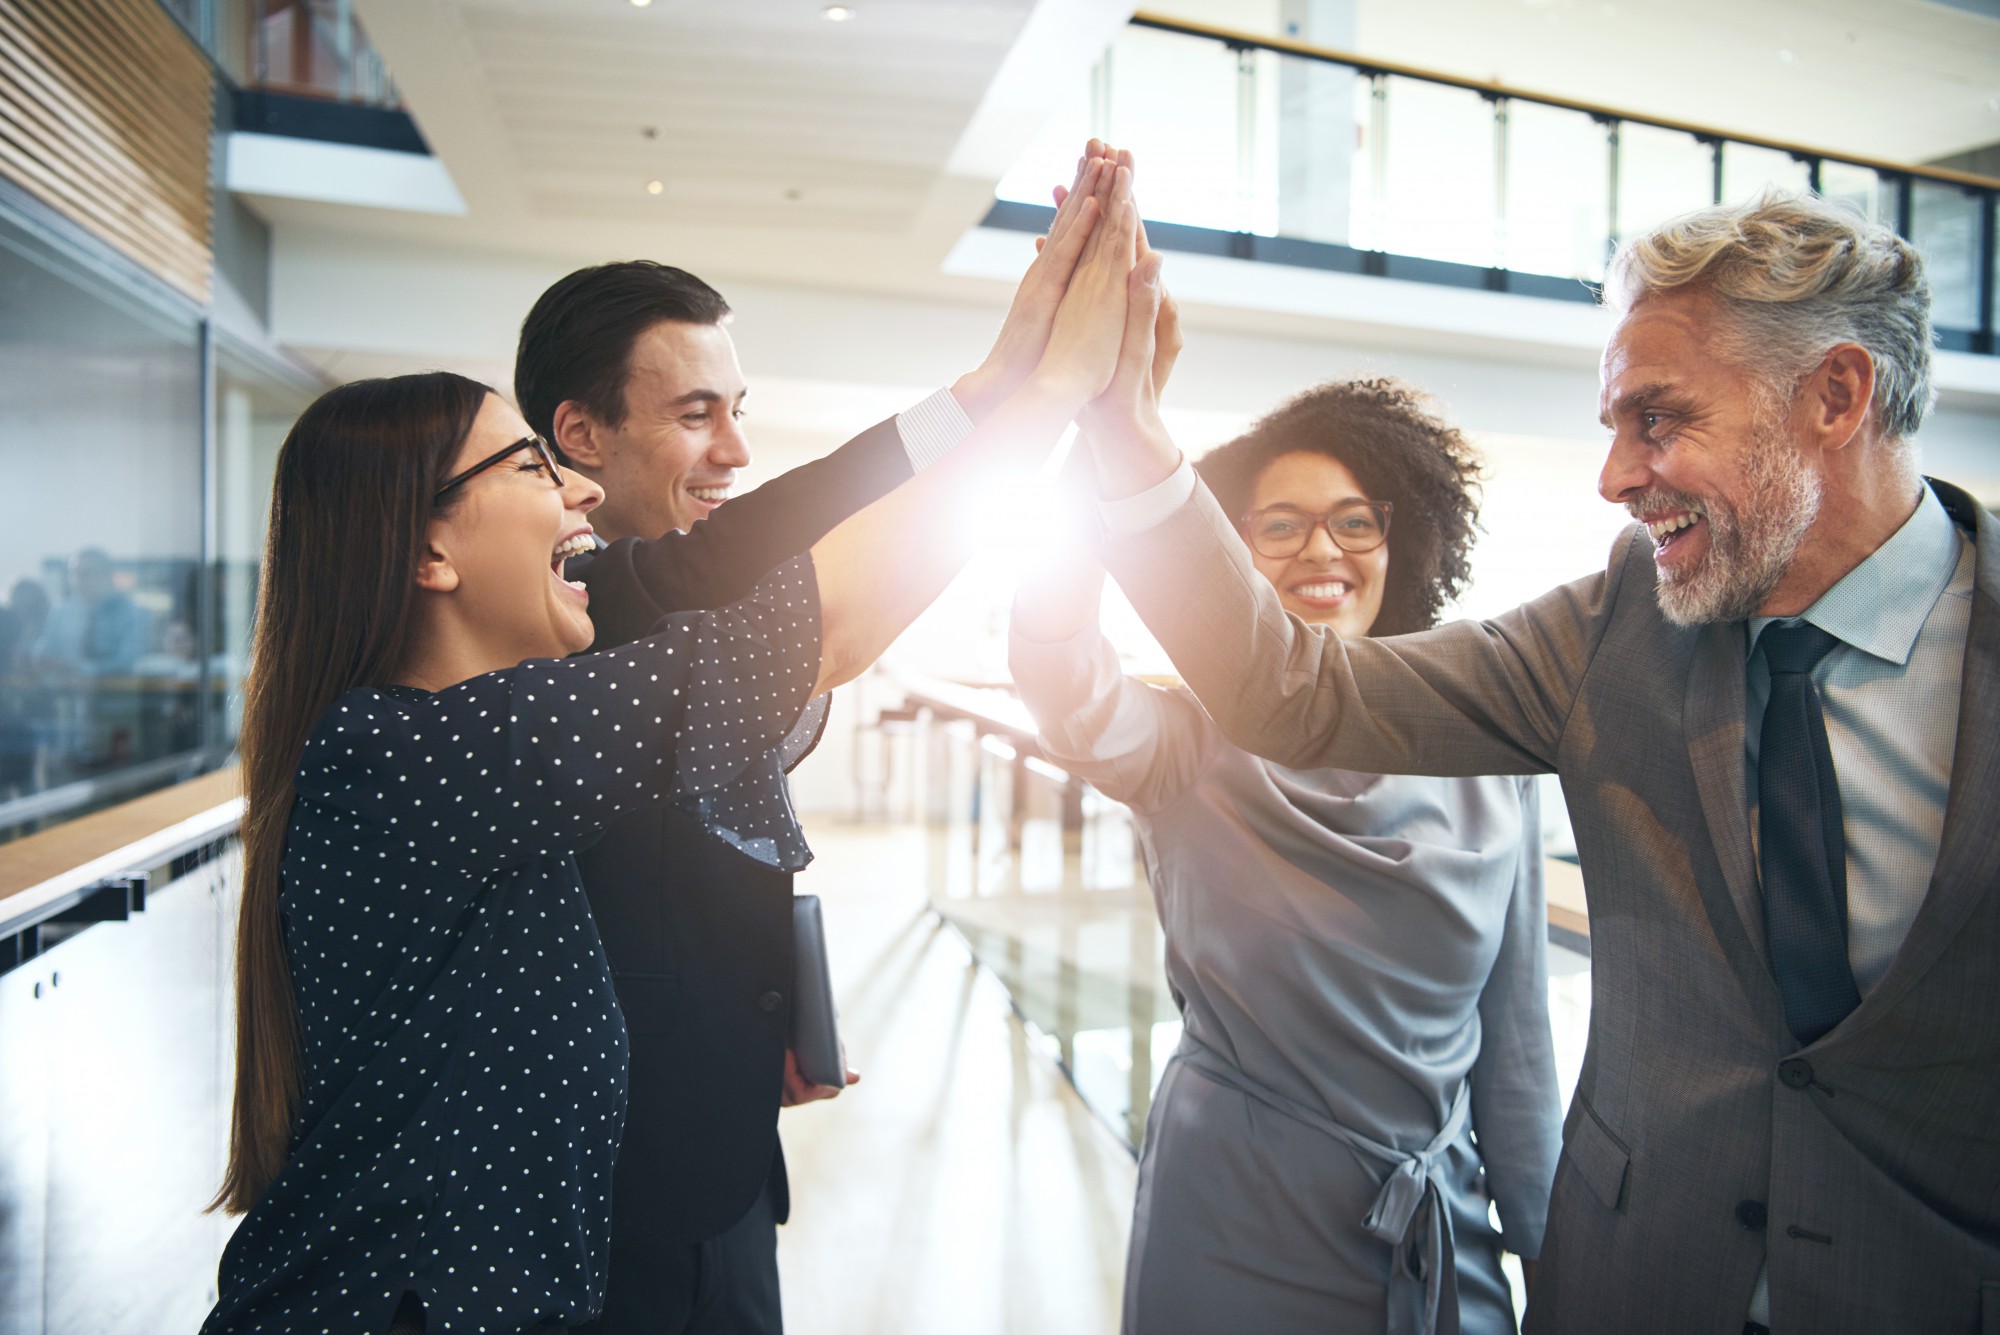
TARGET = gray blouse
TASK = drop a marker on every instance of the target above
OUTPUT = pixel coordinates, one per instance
(1356, 946)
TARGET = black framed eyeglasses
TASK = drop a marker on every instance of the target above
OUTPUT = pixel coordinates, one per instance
(1280, 532)
(535, 443)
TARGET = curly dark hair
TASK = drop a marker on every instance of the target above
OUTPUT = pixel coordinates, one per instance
(1400, 451)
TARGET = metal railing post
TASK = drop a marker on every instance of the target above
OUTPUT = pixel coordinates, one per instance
(208, 636)
(1378, 161)
(1246, 137)
(1500, 167)
(1611, 177)
(1989, 224)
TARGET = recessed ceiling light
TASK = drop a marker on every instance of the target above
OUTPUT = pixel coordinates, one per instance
(655, 187)
(641, 4)
(1786, 57)
(837, 13)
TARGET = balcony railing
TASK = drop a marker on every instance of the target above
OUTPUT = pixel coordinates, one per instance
(1271, 149)
(303, 48)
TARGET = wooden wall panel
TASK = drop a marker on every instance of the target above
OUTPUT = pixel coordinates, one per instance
(105, 115)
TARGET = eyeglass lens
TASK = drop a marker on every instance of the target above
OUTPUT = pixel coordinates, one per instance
(1283, 532)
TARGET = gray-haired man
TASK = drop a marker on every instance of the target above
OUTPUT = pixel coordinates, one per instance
(1776, 715)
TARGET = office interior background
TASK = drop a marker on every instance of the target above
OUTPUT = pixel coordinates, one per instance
(211, 210)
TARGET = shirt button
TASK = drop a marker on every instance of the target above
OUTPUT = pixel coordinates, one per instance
(770, 1001)
(1751, 1215)
(1795, 1072)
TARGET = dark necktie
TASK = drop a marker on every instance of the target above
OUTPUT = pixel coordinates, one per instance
(1801, 849)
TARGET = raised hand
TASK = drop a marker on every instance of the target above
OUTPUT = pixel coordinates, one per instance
(1127, 441)
(1167, 340)
(1025, 332)
(1089, 327)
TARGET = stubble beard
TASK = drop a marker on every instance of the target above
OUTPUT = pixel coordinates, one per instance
(1752, 542)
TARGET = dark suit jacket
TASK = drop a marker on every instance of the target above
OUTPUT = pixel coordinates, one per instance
(1702, 1139)
(698, 935)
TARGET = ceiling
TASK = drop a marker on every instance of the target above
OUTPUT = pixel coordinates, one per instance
(783, 146)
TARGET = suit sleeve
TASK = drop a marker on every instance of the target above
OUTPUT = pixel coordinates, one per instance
(1138, 744)
(1514, 1101)
(1472, 697)
(635, 582)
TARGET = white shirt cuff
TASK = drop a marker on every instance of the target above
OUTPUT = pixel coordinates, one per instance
(1136, 514)
(932, 428)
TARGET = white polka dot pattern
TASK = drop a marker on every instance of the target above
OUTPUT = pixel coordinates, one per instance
(463, 1053)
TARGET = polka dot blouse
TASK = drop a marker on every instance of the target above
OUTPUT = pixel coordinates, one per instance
(463, 1053)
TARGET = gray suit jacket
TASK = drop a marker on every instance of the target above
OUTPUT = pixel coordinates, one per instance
(1701, 1137)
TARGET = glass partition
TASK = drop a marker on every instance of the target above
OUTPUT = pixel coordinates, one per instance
(100, 668)
(1558, 218)
(122, 649)
(1945, 227)
(308, 48)
(1661, 174)
(1177, 101)
(1242, 137)
(1862, 189)
(1747, 170)
(1320, 109)
(1438, 192)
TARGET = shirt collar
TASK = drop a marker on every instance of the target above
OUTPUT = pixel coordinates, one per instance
(1881, 605)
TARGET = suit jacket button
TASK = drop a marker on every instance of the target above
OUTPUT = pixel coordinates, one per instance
(770, 1001)
(1751, 1215)
(1796, 1072)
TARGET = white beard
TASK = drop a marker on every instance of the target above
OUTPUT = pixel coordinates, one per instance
(1751, 545)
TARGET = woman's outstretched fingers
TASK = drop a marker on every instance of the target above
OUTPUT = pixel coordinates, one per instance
(1142, 312)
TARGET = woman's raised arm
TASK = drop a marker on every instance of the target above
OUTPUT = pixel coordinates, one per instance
(882, 567)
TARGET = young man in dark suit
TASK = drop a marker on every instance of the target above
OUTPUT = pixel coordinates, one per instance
(628, 370)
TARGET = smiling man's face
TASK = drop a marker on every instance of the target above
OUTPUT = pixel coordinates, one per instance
(674, 458)
(1703, 455)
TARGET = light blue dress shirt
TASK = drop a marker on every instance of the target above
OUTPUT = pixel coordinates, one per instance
(1889, 693)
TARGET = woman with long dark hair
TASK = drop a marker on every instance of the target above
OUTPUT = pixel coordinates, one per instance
(1359, 959)
(430, 1066)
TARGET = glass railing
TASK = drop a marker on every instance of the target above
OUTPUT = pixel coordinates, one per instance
(1043, 877)
(1269, 149)
(305, 48)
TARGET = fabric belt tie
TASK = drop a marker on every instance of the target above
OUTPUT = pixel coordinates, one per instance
(1409, 1212)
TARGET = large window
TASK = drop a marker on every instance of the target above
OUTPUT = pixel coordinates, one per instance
(120, 648)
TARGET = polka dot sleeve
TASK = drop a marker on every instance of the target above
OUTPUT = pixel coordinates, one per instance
(539, 758)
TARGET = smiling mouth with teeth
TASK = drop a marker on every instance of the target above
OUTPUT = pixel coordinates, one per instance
(709, 495)
(1321, 590)
(575, 545)
(1664, 529)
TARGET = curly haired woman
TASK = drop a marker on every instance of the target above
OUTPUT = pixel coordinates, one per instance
(1359, 959)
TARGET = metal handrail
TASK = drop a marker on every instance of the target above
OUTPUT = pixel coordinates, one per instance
(1237, 39)
(65, 890)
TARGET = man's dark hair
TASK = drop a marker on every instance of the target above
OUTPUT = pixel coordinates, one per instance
(1400, 452)
(577, 341)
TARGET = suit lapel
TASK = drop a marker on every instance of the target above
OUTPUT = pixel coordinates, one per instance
(1970, 847)
(1714, 725)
